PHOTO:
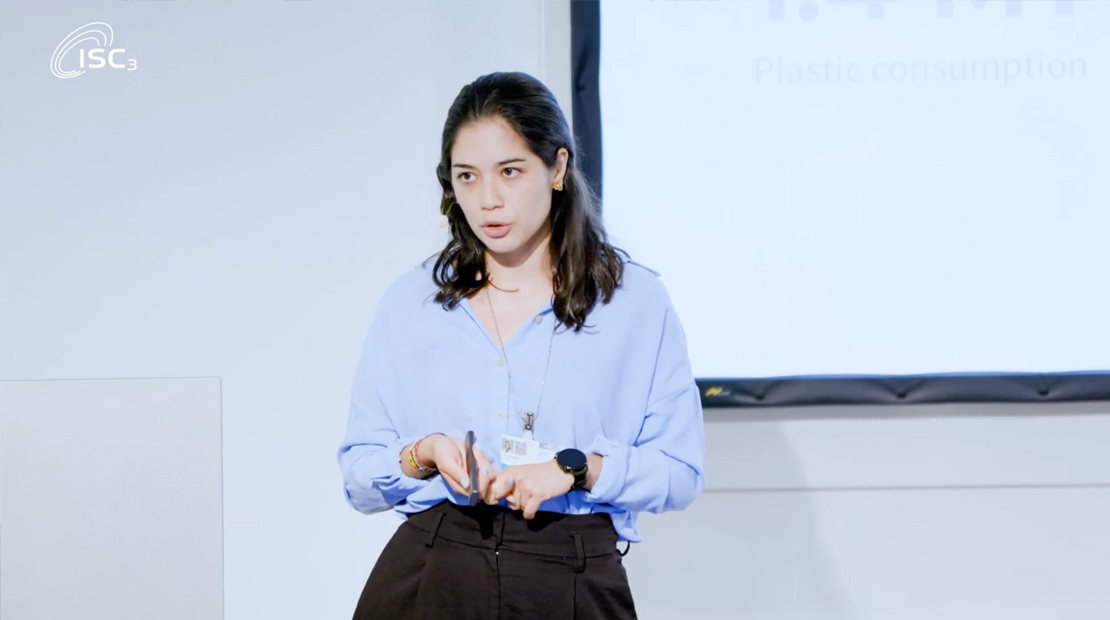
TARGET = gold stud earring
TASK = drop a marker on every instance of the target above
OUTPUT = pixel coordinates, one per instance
(558, 186)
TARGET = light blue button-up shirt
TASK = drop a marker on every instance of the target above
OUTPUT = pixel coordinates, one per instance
(622, 387)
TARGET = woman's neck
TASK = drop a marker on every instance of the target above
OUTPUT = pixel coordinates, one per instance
(527, 271)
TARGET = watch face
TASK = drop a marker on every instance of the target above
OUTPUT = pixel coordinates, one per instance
(572, 459)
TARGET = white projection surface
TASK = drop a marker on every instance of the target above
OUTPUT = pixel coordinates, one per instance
(866, 187)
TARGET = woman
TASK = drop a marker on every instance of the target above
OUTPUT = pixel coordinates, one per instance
(565, 358)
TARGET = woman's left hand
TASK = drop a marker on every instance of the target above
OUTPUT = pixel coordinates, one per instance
(525, 487)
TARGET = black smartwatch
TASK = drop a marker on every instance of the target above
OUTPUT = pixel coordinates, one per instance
(573, 462)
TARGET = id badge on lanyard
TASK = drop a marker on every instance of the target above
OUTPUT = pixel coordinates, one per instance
(522, 451)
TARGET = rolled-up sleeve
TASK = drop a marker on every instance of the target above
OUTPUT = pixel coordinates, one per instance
(369, 455)
(663, 468)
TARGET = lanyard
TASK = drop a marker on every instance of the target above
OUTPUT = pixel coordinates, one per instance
(527, 417)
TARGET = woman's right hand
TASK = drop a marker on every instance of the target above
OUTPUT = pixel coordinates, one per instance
(448, 455)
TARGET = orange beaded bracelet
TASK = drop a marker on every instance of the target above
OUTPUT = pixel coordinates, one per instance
(415, 462)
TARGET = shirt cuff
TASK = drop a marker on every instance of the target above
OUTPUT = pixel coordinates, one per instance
(614, 470)
(388, 460)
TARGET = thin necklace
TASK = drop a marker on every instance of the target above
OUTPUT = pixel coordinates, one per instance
(527, 417)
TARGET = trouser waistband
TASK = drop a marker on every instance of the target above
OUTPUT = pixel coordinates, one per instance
(497, 527)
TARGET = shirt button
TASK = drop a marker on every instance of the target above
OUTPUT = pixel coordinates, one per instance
(539, 319)
(501, 362)
(500, 415)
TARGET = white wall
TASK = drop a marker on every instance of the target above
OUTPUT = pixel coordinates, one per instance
(954, 512)
(234, 209)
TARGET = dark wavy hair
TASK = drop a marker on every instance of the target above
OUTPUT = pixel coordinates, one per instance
(586, 267)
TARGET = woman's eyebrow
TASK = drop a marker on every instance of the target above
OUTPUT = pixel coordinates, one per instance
(500, 163)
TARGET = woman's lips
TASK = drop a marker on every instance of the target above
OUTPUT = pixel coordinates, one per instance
(497, 230)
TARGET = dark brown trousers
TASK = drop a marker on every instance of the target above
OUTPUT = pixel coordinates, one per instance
(457, 562)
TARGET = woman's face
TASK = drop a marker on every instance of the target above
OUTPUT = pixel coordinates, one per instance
(504, 189)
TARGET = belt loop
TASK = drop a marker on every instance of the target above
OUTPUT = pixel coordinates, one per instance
(581, 565)
(627, 546)
(435, 529)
